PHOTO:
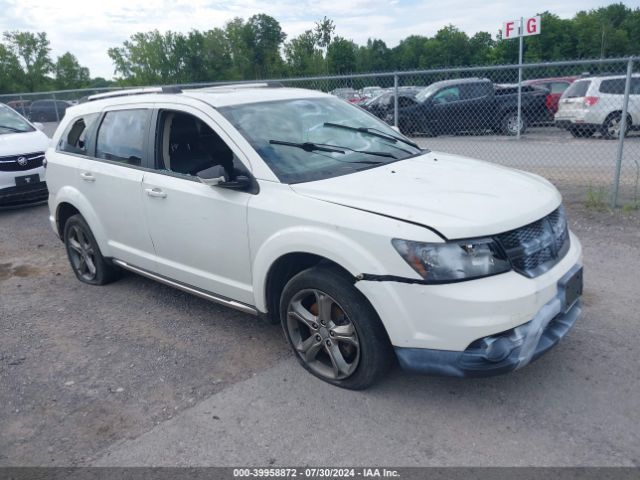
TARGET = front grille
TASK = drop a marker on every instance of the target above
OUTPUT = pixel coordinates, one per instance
(535, 248)
(17, 163)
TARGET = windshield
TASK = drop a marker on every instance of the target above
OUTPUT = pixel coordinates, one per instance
(12, 122)
(271, 128)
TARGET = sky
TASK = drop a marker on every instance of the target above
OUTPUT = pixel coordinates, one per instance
(87, 28)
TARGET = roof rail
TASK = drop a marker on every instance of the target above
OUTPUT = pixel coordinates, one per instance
(238, 85)
(134, 91)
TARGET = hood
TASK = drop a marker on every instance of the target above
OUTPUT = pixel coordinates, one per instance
(458, 197)
(22, 143)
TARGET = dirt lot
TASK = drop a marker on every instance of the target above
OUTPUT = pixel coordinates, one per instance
(85, 368)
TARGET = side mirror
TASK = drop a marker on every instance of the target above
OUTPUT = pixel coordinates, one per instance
(217, 176)
(38, 125)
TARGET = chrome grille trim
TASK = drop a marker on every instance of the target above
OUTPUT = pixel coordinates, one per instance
(10, 163)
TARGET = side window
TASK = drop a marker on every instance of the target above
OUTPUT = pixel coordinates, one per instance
(188, 146)
(614, 86)
(121, 136)
(447, 95)
(635, 86)
(475, 90)
(75, 138)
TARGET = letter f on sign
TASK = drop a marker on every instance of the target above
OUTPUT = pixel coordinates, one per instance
(508, 27)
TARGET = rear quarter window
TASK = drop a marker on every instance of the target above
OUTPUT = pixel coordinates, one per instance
(577, 89)
(614, 86)
(76, 137)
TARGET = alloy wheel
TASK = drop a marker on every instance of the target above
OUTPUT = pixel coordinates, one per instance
(323, 335)
(513, 126)
(614, 127)
(82, 253)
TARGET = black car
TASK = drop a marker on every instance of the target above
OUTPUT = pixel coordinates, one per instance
(47, 110)
(471, 105)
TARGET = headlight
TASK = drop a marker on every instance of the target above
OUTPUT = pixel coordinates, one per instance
(453, 261)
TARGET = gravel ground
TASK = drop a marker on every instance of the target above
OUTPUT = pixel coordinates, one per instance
(84, 369)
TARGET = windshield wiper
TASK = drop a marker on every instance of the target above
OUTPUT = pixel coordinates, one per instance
(325, 147)
(307, 146)
(373, 131)
(13, 129)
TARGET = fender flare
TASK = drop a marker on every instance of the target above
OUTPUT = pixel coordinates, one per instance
(329, 244)
(73, 197)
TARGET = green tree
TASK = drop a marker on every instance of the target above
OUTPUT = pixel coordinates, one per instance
(303, 55)
(341, 56)
(408, 53)
(264, 37)
(69, 73)
(10, 72)
(32, 51)
(148, 58)
(375, 56)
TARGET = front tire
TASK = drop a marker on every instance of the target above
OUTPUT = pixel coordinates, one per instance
(333, 330)
(85, 257)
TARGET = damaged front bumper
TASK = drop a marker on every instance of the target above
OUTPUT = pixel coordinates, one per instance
(509, 350)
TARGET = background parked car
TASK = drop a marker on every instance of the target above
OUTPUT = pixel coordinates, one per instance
(382, 106)
(22, 147)
(45, 110)
(20, 106)
(594, 104)
(556, 87)
(472, 104)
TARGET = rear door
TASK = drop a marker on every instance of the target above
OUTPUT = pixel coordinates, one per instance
(111, 179)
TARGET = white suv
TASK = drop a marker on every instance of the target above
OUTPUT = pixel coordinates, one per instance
(595, 104)
(294, 205)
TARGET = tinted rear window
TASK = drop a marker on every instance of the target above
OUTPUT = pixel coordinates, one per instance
(578, 89)
(614, 86)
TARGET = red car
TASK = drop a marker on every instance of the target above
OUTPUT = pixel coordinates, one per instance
(556, 86)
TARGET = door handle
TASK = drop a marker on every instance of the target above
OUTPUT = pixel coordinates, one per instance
(155, 192)
(87, 177)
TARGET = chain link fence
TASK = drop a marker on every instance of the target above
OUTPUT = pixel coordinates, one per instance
(564, 121)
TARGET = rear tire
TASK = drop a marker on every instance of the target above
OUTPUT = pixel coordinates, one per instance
(85, 257)
(612, 126)
(509, 124)
(333, 330)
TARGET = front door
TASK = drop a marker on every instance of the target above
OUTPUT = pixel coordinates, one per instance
(199, 232)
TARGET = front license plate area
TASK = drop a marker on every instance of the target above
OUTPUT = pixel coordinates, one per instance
(27, 180)
(572, 290)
